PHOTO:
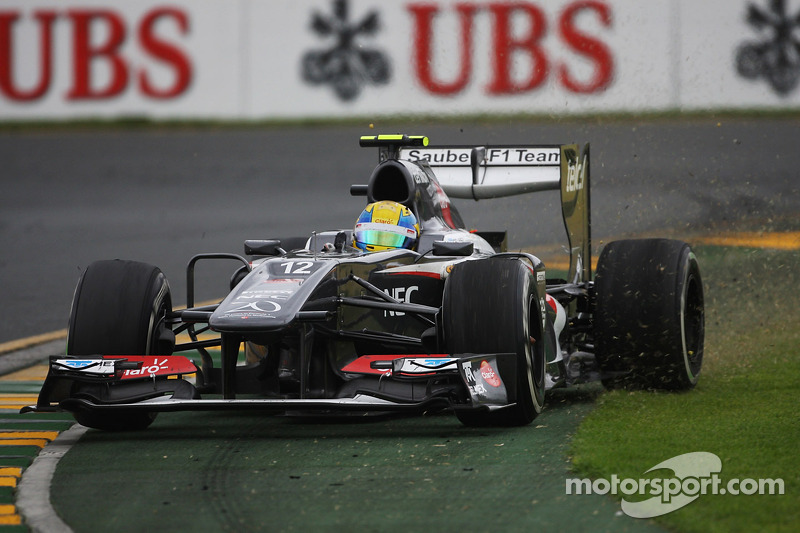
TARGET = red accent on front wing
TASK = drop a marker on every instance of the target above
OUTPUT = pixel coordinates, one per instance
(159, 365)
(363, 364)
(489, 375)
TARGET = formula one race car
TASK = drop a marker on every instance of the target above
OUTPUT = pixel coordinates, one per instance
(409, 311)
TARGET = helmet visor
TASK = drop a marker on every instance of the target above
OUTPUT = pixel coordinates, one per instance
(388, 235)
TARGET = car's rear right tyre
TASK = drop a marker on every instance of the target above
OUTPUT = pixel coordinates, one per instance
(649, 315)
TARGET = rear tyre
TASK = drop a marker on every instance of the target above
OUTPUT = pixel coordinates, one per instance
(120, 308)
(649, 317)
(492, 306)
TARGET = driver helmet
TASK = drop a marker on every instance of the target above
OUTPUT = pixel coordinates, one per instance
(385, 225)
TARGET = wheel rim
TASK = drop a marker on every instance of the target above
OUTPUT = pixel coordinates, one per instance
(692, 323)
(162, 304)
(534, 354)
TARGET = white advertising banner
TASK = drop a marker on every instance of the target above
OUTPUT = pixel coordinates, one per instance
(286, 59)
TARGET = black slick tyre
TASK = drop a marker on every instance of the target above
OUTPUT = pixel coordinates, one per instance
(649, 315)
(120, 308)
(491, 306)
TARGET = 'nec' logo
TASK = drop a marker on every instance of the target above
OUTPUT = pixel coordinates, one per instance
(402, 294)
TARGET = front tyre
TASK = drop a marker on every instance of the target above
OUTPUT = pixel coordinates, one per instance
(649, 319)
(492, 306)
(120, 308)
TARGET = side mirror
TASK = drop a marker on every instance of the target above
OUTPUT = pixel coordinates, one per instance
(263, 247)
(463, 249)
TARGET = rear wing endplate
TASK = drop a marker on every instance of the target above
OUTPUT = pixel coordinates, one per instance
(496, 171)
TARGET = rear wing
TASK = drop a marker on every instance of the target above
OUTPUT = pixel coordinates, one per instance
(495, 171)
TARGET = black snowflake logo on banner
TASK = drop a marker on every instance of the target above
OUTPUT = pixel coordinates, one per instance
(776, 58)
(347, 65)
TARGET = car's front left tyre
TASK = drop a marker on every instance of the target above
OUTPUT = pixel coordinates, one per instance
(120, 308)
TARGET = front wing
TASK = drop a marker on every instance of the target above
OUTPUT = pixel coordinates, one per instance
(159, 384)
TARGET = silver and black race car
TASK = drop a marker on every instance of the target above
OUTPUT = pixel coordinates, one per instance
(315, 325)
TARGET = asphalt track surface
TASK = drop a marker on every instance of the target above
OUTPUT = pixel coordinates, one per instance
(162, 195)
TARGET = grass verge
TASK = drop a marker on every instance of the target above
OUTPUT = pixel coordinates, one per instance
(744, 409)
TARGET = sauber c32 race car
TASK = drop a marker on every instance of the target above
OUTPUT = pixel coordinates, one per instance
(317, 325)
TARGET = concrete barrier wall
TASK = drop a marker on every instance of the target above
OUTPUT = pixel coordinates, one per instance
(285, 59)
